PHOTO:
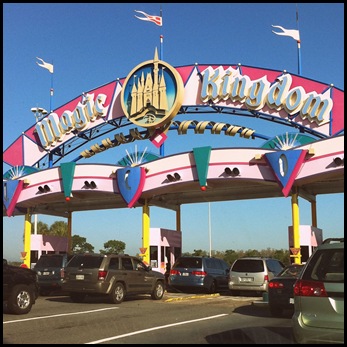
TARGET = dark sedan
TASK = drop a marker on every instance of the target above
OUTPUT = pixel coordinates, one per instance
(281, 290)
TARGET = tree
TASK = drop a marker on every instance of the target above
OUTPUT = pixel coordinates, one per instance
(80, 245)
(113, 246)
(59, 228)
(42, 228)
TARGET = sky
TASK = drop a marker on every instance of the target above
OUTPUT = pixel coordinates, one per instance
(94, 44)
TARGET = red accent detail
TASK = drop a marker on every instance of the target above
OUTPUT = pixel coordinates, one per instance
(67, 198)
(139, 189)
(203, 188)
(158, 138)
(294, 173)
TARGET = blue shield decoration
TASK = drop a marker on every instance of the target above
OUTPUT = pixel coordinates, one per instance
(286, 165)
(131, 181)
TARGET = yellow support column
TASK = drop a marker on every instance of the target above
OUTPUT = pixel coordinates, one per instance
(27, 239)
(296, 226)
(145, 232)
(69, 233)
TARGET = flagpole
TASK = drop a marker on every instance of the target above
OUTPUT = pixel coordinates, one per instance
(299, 51)
(161, 149)
(161, 38)
(51, 94)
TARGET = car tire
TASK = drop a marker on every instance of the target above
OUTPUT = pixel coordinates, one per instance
(275, 311)
(77, 297)
(118, 293)
(212, 289)
(20, 300)
(158, 291)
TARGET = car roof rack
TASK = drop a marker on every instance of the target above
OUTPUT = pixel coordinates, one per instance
(333, 240)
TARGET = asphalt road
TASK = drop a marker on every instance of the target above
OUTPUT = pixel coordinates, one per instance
(178, 318)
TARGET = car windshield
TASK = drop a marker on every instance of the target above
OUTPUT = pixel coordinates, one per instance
(51, 261)
(188, 263)
(291, 271)
(85, 261)
(248, 265)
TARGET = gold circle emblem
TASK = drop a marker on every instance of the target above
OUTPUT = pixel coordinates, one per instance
(152, 93)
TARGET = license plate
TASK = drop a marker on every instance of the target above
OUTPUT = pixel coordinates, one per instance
(246, 279)
(185, 274)
(79, 277)
(291, 300)
(45, 273)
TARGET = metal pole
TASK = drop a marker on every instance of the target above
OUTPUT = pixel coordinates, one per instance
(35, 224)
(209, 227)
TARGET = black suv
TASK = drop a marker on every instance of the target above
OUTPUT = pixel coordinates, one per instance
(50, 269)
(112, 275)
(20, 288)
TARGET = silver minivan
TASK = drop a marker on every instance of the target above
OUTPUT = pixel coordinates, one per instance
(253, 274)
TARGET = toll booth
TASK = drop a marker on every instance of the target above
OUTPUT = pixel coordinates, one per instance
(310, 238)
(46, 244)
(165, 247)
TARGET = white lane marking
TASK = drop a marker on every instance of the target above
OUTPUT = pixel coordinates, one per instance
(60, 315)
(152, 329)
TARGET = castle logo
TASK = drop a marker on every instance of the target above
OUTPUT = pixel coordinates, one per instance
(152, 94)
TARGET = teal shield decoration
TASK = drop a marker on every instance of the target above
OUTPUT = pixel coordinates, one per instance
(131, 181)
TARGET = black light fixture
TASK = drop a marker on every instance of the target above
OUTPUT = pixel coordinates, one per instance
(338, 161)
(173, 178)
(170, 178)
(177, 176)
(90, 184)
(234, 172)
(44, 189)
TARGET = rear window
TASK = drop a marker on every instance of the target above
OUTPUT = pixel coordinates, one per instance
(327, 266)
(86, 262)
(188, 263)
(248, 265)
(51, 261)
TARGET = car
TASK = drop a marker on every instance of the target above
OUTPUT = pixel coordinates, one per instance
(115, 276)
(50, 269)
(281, 290)
(201, 273)
(319, 296)
(252, 274)
(20, 288)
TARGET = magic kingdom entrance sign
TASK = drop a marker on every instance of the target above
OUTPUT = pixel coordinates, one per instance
(155, 92)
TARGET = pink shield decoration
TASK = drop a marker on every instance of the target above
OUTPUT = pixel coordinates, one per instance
(131, 181)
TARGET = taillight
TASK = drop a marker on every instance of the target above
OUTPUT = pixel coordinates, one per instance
(62, 273)
(309, 288)
(199, 273)
(266, 278)
(276, 285)
(174, 272)
(102, 275)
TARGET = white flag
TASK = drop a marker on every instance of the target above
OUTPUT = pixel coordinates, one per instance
(45, 65)
(288, 32)
(155, 19)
